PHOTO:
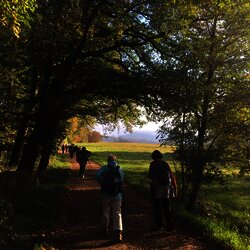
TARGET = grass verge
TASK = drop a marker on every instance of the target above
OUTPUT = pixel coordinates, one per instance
(29, 210)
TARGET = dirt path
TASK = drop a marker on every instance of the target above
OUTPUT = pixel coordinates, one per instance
(82, 229)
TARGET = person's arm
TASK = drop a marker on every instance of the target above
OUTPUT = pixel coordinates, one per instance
(121, 174)
(88, 153)
(173, 180)
(150, 172)
(174, 184)
(99, 174)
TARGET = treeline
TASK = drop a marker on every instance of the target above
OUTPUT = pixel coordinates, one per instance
(184, 63)
(78, 131)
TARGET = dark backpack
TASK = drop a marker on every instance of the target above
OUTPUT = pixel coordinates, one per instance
(82, 155)
(163, 175)
(112, 183)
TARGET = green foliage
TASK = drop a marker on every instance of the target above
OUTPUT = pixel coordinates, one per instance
(229, 202)
(15, 13)
(236, 137)
(215, 232)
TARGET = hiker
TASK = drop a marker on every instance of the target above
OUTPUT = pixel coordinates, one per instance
(63, 148)
(82, 157)
(66, 148)
(110, 177)
(163, 186)
(71, 151)
(75, 149)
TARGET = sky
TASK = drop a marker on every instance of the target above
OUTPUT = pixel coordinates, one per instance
(150, 126)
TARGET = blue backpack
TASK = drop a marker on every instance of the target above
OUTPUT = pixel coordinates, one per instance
(112, 183)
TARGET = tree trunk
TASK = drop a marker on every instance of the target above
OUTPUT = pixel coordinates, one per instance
(19, 140)
(30, 153)
(15, 154)
(193, 196)
(44, 161)
(32, 148)
(47, 147)
(52, 133)
(183, 183)
(200, 157)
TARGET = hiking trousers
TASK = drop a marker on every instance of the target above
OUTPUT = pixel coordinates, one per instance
(112, 212)
(82, 167)
(161, 212)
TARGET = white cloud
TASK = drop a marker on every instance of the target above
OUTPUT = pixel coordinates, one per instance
(150, 126)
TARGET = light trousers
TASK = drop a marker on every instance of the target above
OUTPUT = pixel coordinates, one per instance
(112, 212)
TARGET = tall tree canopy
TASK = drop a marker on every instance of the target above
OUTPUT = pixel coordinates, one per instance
(77, 57)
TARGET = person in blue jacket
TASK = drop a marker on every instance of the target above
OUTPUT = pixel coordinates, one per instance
(111, 177)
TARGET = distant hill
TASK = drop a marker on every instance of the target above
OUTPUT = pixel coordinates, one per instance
(136, 136)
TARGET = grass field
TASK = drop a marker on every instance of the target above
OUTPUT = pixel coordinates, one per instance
(225, 210)
(134, 158)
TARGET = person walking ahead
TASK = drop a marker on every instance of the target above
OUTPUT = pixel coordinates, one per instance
(163, 186)
(82, 157)
(110, 177)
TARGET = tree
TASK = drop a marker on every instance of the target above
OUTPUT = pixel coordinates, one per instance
(94, 136)
(15, 17)
(208, 46)
(233, 142)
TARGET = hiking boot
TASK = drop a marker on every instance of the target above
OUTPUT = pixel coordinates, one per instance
(118, 236)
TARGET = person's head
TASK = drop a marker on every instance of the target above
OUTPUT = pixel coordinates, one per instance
(156, 155)
(83, 148)
(111, 158)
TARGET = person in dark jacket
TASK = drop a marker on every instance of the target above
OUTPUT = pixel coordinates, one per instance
(82, 157)
(71, 150)
(62, 148)
(162, 187)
